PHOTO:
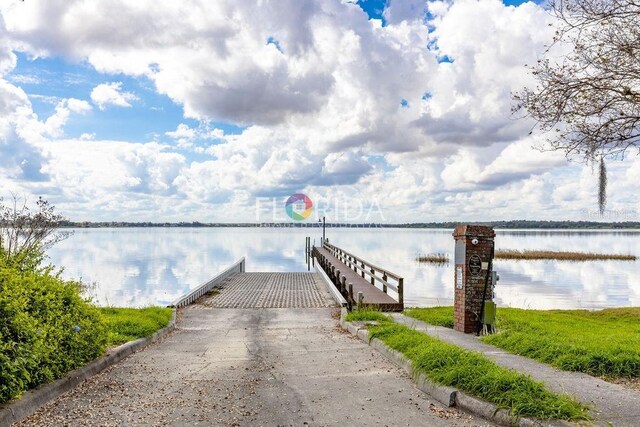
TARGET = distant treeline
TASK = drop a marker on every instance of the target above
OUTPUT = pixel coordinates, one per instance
(518, 224)
(524, 224)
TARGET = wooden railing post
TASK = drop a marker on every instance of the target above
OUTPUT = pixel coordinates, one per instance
(361, 268)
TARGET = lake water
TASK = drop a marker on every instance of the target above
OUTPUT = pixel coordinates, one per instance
(144, 266)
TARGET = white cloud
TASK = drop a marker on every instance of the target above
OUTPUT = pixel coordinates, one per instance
(321, 114)
(182, 131)
(54, 124)
(186, 136)
(106, 94)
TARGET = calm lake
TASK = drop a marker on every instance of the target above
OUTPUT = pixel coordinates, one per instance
(153, 266)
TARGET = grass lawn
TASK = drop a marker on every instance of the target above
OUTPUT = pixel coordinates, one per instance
(472, 372)
(602, 343)
(129, 324)
(367, 315)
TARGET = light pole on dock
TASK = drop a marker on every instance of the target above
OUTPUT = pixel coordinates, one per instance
(323, 221)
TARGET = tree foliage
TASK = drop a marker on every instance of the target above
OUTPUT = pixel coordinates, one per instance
(589, 99)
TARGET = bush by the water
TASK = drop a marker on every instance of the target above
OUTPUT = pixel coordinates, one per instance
(46, 328)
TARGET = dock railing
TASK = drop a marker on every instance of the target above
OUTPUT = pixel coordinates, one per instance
(373, 272)
(194, 294)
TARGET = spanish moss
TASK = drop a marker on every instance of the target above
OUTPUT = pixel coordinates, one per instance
(602, 192)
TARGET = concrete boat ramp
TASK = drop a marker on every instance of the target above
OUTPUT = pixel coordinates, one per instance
(264, 349)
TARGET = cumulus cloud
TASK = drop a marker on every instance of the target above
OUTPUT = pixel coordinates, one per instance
(486, 46)
(106, 94)
(318, 90)
(54, 124)
(186, 137)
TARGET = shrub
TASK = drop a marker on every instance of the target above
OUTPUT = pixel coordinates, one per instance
(46, 328)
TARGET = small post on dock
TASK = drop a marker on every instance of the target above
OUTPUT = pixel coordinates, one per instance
(307, 251)
(384, 287)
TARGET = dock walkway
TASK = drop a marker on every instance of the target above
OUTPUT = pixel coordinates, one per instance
(253, 365)
(372, 296)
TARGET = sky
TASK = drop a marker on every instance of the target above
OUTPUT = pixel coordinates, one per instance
(378, 111)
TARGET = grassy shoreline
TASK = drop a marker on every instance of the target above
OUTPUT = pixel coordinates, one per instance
(604, 343)
(472, 372)
(130, 324)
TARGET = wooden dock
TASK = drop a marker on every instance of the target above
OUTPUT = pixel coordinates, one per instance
(358, 280)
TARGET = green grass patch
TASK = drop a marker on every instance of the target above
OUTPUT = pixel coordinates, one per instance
(439, 316)
(602, 343)
(129, 324)
(472, 372)
(367, 315)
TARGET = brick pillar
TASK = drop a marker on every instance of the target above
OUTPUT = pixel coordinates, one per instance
(474, 248)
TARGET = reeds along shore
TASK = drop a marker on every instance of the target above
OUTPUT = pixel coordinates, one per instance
(560, 255)
(514, 254)
(433, 258)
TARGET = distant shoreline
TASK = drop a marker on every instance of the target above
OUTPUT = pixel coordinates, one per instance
(505, 225)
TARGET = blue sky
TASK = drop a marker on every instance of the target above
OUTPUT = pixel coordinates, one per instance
(49, 79)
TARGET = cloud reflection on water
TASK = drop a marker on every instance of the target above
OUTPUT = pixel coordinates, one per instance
(144, 266)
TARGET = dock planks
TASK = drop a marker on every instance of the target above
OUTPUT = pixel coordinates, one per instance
(373, 296)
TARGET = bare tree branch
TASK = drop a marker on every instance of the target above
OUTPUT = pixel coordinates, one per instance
(590, 99)
(26, 233)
